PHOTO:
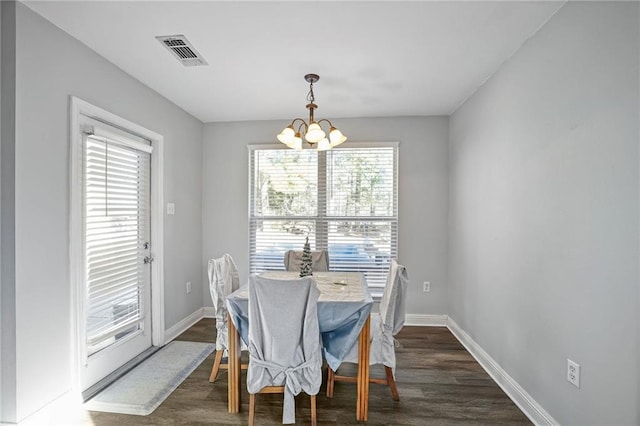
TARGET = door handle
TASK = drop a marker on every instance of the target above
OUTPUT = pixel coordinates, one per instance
(148, 259)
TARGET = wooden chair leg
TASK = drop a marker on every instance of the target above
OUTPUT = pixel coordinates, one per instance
(216, 366)
(330, 381)
(313, 410)
(392, 383)
(252, 408)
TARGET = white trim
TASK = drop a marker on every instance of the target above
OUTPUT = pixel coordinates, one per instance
(99, 114)
(364, 144)
(346, 145)
(66, 406)
(157, 242)
(75, 242)
(130, 144)
(529, 406)
(79, 108)
(208, 312)
(425, 320)
(98, 130)
(254, 146)
(183, 325)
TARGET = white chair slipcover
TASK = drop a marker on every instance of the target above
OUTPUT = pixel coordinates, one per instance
(319, 260)
(223, 280)
(284, 344)
(388, 322)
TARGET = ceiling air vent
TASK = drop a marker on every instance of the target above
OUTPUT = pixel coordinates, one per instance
(180, 47)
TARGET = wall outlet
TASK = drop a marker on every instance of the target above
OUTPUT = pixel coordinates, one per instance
(573, 373)
(188, 285)
(171, 208)
(426, 287)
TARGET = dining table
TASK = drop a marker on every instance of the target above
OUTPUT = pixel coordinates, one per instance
(344, 308)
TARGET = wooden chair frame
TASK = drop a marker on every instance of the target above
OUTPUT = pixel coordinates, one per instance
(219, 365)
(332, 377)
(278, 389)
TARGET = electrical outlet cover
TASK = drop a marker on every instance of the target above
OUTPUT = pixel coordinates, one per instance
(573, 373)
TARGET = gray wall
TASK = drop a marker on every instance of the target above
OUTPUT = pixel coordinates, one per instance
(51, 66)
(7, 213)
(531, 201)
(543, 259)
(422, 199)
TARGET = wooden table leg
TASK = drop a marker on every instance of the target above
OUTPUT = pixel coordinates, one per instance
(234, 367)
(362, 407)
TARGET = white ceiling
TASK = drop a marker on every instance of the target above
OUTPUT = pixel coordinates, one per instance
(374, 58)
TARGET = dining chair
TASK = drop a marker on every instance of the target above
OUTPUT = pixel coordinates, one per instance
(319, 260)
(384, 325)
(285, 353)
(223, 280)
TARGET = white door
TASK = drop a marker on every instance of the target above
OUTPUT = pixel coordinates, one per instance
(116, 304)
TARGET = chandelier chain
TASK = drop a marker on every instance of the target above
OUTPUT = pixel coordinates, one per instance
(310, 97)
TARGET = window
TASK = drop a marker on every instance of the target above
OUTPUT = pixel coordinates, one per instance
(344, 200)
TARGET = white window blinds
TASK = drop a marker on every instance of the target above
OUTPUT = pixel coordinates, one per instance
(116, 209)
(344, 199)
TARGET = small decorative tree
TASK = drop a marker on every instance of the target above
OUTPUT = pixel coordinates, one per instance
(305, 266)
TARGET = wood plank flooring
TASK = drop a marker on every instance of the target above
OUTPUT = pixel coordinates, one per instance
(439, 383)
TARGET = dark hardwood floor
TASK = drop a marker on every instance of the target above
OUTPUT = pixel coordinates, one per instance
(439, 383)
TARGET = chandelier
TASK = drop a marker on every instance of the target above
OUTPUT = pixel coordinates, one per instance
(312, 131)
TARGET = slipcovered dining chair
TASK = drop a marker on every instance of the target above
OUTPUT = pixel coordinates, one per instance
(223, 280)
(285, 353)
(319, 260)
(384, 325)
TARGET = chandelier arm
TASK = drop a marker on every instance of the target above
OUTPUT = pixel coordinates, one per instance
(304, 123)
(324, 119)
(293, 122)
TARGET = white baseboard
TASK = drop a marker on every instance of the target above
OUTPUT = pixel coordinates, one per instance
(518, 395)
(182, 325)
(426, 320)
(208, 312)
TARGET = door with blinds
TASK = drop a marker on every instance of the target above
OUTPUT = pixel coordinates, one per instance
(116, 249)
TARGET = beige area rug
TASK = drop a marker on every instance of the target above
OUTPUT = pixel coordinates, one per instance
(144, 388)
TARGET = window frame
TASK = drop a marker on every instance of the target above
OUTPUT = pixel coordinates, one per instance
(322, 220)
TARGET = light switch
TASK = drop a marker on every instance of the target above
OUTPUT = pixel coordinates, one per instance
(171, 208)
